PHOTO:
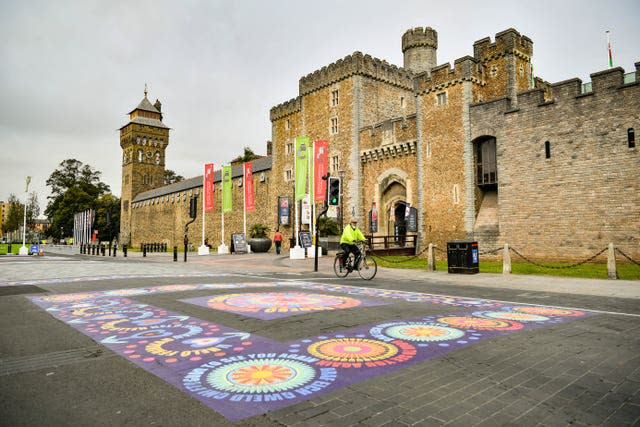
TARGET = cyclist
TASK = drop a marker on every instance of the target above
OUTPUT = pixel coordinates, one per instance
(350, 236)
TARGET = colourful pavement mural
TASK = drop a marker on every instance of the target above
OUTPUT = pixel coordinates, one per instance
(274, 305)
(240, 375)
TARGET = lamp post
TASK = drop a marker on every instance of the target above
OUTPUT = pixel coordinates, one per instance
(23, 249)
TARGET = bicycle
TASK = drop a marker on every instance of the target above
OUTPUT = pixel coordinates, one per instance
(367, 267)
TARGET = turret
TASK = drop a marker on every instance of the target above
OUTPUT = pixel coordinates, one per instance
(419, 47)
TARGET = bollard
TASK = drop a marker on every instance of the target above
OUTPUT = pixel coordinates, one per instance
(109, 248)
(431, 259)
(104, 249)
(115, 249)
(144, 250)
(506, 260)
(164, 247)
(9, 248)
(612, 272)
(175, 254)
(124, 250)
(93, 249)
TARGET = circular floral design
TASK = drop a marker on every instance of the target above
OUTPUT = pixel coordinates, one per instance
(272, 302)
(508, 315)
(423, 332)
(548, 311)
(479, 323)
(261, 376)
(352, 350)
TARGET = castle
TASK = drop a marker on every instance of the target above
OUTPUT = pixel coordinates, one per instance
(482, 150)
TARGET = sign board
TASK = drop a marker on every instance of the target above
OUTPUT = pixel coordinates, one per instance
(34, 249)
(284, 210)
(412, 220)
(305, 216)
(373, 220)
(305, 239)
(238, 243)
(332, 212)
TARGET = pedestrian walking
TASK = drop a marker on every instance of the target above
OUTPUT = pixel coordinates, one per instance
(277, 239)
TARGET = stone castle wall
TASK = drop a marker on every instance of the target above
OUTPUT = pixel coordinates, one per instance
(585, 194)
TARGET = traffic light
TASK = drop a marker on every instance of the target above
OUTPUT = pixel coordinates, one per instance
(193, 207)
(334, 191)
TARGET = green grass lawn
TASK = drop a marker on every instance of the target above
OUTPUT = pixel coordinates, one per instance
(15, 248)
(626, 271)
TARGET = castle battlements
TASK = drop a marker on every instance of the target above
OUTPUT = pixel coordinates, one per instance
(418, 37)
(442, 76)
(604, 84)
(355, 64)
(508, 41)
(286, 108)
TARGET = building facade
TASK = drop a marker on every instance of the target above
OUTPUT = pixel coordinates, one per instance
(480, 149)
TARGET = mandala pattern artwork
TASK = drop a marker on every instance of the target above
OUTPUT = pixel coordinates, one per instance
(240, 375)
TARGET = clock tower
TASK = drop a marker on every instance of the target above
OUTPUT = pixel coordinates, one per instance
(144, 140)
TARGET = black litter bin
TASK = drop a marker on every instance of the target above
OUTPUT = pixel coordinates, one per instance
(462, 257)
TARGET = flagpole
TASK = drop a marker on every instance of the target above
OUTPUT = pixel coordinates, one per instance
(244, 203)
(609, 49)
(204, 177)
(23, 249)
(312, 198)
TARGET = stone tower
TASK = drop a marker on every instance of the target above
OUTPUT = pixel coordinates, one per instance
(419, 47)
(144, 140)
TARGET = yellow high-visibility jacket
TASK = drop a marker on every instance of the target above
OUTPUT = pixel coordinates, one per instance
(350, 235)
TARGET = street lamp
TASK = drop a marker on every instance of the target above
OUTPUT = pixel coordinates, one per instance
(23, 249)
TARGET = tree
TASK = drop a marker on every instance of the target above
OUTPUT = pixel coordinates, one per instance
(75, 187)
(170, 177)
(15, 214)
(246, 157)
(108, 216)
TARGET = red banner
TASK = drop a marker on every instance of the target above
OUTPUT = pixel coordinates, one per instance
(208, 187)
(320, 168)
(248, 187)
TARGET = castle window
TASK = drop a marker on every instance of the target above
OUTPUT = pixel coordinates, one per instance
(335, 163)
(547, 150)
(521, 70)
(456, 194)
(631, 138)
(138, 140)
(290, 148)
(157, 160)
(494, 71)
(402, 102)
(441, 98)
(334, 98)
(140, 155)
(287, 125)
(288, 175)
(486, 162)
(334, 126)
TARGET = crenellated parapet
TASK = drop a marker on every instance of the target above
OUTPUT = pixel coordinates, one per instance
(507, 42)
(443, 76)
(356, 64)
(604, 84)
(286, 108)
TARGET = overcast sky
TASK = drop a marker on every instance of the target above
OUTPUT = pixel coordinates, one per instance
(71, 70)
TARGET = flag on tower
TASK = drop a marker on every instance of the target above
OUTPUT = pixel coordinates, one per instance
(609, 49)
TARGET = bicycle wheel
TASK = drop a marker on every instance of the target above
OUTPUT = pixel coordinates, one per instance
(367, 268)
(340, 270)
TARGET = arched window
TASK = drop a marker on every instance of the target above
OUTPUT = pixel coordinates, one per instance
(140, 155)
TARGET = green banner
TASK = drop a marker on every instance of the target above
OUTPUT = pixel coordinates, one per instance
(302, 166)
(227, 186)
